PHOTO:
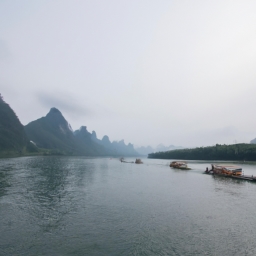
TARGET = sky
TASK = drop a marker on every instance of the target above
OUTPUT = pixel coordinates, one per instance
(147, 71)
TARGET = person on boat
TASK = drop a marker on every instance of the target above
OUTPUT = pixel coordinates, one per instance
(206, 170)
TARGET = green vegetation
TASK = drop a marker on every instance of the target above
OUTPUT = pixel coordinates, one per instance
(13, 139)
(236, 152)
(12, 135)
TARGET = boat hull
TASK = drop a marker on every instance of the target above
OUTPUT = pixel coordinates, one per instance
(181, 168)
(241, 177)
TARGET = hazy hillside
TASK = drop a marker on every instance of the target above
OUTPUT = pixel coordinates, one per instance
(86, 145)
(55, 133)
(52, 132)
(147, 150)
(115, 147)
(253, 141)
(13, 139)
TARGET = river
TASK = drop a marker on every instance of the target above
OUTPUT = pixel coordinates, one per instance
(100, 206)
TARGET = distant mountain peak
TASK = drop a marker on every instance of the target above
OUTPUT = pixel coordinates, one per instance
(83, 128)
(54, 111)
(105, 140)
(56, 118)
(94, 135)
(55, 115)
(105, 137)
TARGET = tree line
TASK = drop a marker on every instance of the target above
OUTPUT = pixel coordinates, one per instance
(236, 152)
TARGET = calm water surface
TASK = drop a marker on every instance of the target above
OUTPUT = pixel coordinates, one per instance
(82, 206)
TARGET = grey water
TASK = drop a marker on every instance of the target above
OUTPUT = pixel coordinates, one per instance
(100, 206)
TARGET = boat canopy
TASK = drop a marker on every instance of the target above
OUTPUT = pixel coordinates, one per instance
(228, 167)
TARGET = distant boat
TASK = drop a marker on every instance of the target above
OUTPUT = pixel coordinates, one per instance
(179, 165)
(138, 161)
(123, 161)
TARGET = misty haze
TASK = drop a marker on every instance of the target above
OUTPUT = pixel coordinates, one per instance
(126, 127)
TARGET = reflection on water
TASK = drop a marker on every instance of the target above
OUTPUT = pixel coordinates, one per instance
(47, 191)
(52, 188)
(228, 181)
(86, 206)
(4, 181)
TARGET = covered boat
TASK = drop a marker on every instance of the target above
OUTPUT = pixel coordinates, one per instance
(138, 161)
(179, 165)
(226, 169)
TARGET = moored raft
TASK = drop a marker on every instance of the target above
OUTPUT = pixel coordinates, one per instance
(226, 169)
(242, 177)
(231, 171)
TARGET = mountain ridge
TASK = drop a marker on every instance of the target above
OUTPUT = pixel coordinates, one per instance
(54, 132)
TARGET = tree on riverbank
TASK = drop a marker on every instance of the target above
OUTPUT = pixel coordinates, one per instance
(238, 152)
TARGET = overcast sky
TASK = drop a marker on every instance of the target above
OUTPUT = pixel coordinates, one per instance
(146, 71)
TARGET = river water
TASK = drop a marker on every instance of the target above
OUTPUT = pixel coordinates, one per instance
(100, 206)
